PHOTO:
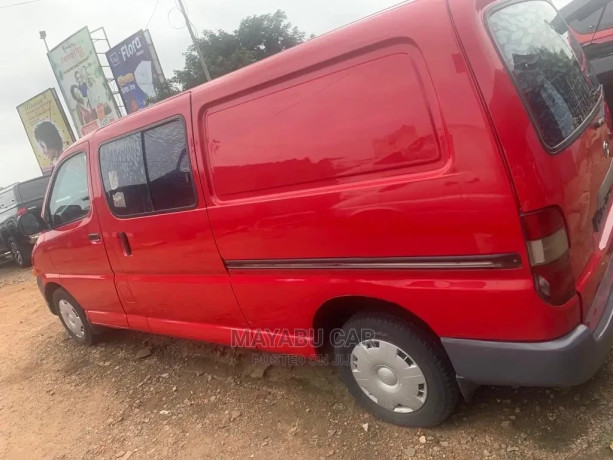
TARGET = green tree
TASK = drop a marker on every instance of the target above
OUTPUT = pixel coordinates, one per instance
(164, 91)
(256, 38)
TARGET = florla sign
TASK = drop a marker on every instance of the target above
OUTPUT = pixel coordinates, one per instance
(129, 49)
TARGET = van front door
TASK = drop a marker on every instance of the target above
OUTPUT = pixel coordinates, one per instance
(74, 242)
(169, 273)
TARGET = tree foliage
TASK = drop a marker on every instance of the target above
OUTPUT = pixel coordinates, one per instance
(256, 38)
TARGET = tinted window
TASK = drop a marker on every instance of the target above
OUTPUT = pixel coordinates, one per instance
(154, 179)
(69, 199)
(124, 176)
(7, 199)
(167, 159)
(33, 190)
(536, 47)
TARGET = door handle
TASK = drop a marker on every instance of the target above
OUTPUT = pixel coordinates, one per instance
(123, 238)
(94, 237)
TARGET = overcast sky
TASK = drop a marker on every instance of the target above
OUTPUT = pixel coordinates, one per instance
(25, 70)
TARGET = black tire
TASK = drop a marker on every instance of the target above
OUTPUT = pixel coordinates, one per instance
(87, 335)
(21, 255)
(423, 350)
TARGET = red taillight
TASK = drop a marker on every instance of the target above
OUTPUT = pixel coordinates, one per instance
(21, 211)
(548, 249)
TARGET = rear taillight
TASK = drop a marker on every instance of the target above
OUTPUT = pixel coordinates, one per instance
(21, 211)
(548, 249)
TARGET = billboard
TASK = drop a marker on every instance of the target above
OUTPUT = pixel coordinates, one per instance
(82, 82)
(47, 128)
(136, 69)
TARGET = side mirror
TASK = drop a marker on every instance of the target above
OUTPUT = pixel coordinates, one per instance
(31, 224)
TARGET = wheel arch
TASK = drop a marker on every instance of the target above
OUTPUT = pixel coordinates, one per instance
(335, 312)
(50, 288)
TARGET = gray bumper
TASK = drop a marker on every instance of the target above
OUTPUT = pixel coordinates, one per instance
(569, 360)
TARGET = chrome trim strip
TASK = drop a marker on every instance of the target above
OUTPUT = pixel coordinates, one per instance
(494, 261)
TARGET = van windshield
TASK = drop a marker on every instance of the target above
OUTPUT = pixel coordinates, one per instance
(548, 66)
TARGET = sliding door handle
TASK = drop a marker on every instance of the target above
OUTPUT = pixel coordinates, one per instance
(94, 237)
(123, 238)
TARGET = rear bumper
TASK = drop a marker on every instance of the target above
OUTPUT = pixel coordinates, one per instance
(569, 360)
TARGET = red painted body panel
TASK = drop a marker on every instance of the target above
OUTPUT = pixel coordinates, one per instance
(569, 179)
(82, 266)
(174, 271)
(438, 161)
(465, 206)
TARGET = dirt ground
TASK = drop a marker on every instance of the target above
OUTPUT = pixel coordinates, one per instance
(193, 400)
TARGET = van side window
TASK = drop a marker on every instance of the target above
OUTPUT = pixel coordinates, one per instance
(69, 198)
(167, 158)
(148, 172)
(124, 176)
(535, 45)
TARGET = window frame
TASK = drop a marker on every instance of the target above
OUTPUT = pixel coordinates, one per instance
(47, 217)
(597, 107)
(140, 131)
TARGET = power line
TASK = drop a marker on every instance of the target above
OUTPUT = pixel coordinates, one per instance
(152, 13)
(18, 4)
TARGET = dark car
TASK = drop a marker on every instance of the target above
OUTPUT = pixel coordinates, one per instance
(591, 22)
(15, 200)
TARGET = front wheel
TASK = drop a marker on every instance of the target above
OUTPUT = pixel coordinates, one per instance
(396, 371)
(73, 317)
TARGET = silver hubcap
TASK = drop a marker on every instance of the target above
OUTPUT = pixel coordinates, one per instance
(389, 376)
(16, 254)
(71, 318)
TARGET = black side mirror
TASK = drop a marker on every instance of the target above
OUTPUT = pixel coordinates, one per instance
(31, 224)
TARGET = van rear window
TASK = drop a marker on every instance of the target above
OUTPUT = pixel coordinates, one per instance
(549, 69)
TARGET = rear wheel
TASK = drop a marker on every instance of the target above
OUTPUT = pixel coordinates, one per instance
(396, 371)
(20, 254)
(73, 317)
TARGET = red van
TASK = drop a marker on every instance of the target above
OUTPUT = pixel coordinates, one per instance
(431, 202)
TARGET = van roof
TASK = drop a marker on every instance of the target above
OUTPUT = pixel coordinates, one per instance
(285, 59)
(290, 58)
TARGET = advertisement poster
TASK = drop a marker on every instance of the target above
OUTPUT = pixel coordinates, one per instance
(47, 128)
(83, 84)
(136, 69)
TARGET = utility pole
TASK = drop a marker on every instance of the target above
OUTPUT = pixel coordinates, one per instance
(191, 33)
